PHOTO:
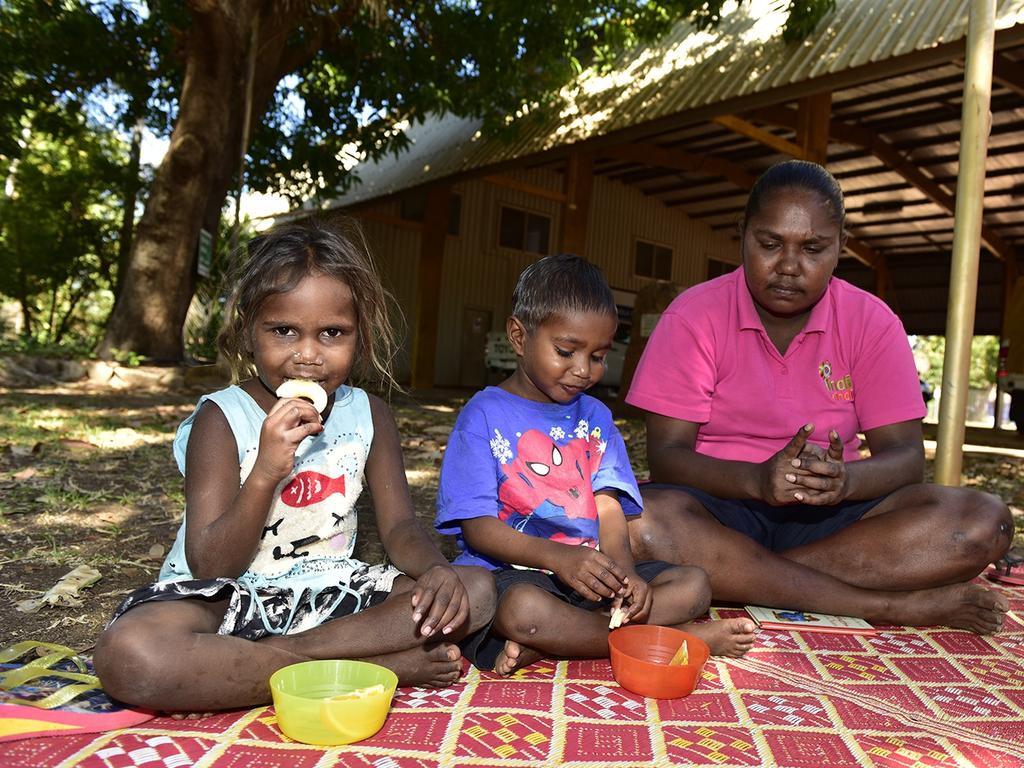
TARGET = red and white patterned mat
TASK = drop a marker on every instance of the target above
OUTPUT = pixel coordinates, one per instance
(906, 698)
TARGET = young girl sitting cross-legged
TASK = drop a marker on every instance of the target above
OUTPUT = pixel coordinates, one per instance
(261, 574)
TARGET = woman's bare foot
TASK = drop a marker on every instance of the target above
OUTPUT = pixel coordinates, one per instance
(962, 606)
(434, 666)
(514, 657)
(725, 637)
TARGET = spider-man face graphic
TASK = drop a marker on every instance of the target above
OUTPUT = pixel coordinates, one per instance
(547, 489)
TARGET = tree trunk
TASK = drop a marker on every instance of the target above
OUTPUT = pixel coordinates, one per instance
(130, 196)
(157, 287)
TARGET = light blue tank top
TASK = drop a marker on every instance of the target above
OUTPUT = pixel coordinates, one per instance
(313, 515)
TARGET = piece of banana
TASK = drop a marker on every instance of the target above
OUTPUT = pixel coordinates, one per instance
(305, 389)
(616, 618)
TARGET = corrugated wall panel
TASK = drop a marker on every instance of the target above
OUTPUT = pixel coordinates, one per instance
(620, 215)
(396, 251)
(479, 274)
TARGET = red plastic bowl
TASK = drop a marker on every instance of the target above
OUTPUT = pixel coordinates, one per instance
(640, 656)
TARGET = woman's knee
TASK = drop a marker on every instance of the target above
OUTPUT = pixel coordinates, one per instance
(667, 514)
(986, 528)
(688, 588)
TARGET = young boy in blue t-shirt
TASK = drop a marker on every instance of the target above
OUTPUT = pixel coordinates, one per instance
(536, 484)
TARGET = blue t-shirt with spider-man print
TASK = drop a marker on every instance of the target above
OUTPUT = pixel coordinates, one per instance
(534, 466)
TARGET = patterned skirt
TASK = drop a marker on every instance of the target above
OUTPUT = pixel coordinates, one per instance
(308, 595)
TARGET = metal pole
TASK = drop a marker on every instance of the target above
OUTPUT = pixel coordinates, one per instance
(976, 121)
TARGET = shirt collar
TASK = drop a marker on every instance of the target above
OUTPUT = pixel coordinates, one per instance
(821, 313)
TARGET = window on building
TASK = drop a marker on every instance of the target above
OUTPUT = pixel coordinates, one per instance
(524, 231)
(718, 268)
(652, 260)
(413, 207)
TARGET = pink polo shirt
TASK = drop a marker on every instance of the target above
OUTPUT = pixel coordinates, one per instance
(710, 361)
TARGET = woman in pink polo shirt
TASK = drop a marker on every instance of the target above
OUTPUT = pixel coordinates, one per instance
(755, 386)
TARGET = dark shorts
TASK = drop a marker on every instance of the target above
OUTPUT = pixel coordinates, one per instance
(777, 528)
(482, 647)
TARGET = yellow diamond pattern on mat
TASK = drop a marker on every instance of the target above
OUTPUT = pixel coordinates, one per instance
(742, 746)
(476, 732)
(534, 739)
(712, 744)
(505, 735)
(717, 757)
(681, 743)
(706, 732)
(504, 750)
(508, 720)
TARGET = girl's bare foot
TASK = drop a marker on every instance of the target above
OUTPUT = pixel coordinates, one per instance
(725, 637)
(514, 657)
(433, 666)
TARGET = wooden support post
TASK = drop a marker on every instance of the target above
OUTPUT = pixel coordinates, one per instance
(579, 180)
(963, 279)
(428, 286)
(812, 127)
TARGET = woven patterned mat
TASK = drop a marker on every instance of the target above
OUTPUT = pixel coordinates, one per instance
(905, 697)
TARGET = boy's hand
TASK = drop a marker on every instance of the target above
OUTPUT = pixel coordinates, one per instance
(637, 600)
(591, 573)
(439, 599)
(289, 422)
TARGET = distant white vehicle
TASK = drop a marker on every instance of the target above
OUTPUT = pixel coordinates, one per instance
(500, 358)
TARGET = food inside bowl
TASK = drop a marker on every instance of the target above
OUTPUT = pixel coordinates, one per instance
(359, 693)
(682, 656)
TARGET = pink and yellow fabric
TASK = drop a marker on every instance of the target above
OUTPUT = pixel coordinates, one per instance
(904, 698)
(47, 690)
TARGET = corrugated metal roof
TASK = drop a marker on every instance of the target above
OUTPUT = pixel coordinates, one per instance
(686, 70)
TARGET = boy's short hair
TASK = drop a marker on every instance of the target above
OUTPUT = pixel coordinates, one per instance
(556, 284)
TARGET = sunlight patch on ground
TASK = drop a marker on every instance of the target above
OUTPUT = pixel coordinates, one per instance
(420, 476)
(126, 437)
(438, 408)
(930, 445)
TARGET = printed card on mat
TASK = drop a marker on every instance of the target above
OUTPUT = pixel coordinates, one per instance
(805, 621)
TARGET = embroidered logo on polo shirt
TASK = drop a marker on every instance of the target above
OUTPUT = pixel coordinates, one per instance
(839, 388)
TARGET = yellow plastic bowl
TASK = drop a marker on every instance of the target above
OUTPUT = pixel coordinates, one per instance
(303, 696)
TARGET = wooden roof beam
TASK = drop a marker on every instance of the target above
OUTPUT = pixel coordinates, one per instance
(508, 182)
(646, 153)
(887, 153)
(1008, 73)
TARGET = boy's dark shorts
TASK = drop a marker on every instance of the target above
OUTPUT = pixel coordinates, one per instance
(777, 528)
(482, 648)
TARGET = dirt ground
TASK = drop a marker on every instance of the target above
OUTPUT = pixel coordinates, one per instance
(87, 477)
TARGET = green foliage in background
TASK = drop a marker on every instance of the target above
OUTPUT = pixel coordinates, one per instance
(984, 359)
(59, 220)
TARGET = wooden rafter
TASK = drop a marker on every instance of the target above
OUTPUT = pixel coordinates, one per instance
(524, 186)
(650, 154)
(856, 135)
(1008, 73)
